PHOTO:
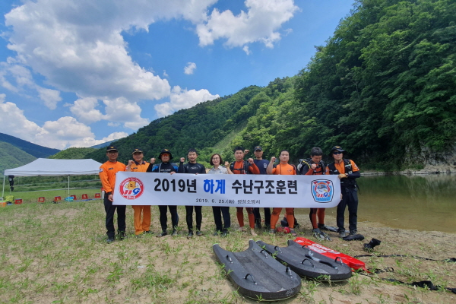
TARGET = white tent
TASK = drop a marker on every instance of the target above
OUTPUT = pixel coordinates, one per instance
(55, 167)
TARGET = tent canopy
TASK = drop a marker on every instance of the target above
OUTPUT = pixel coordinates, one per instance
(56, 167)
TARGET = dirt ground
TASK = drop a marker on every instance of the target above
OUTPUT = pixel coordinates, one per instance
(57, 254)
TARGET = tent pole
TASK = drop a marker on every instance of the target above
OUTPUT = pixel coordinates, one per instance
(68, 186)
(3, 191)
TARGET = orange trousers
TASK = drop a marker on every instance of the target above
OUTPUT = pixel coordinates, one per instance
(275, 217)
(141, 219)
(240, 217)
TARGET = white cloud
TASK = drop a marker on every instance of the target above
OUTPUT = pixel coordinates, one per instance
(59, 134)
(191, 66)
(182, 99)
(246, 50)
(259, 24)
(85, 111)
(14, 122)
(50, 97)
(124, 111)
(23, 78)
(77, 44)
(165, 74)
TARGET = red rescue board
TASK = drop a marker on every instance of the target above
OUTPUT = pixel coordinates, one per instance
(330, 253)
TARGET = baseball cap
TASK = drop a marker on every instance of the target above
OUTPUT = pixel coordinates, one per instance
(111, 148)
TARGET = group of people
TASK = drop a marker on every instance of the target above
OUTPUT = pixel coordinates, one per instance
(346, 170)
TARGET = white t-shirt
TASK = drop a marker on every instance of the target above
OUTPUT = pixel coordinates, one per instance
(219, 170)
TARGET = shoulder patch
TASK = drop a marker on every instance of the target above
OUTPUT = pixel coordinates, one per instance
(101, 169)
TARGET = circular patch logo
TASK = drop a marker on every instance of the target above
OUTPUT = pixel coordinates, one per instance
(322, 190)
(131, 188)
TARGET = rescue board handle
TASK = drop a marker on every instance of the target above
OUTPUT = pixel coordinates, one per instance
(253, 279)
(264, 253)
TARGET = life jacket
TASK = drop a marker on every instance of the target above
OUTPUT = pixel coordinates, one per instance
(243, 170)
(344, 182)
(308, 162)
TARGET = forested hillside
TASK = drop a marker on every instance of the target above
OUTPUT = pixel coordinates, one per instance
(12, 157)
(32, 149)
(73, 153)
(200, 127)
(383, 87)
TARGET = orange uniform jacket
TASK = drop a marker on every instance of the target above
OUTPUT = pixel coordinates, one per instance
(284, 170)
(341, 167)
(142, 167)
(108, 174)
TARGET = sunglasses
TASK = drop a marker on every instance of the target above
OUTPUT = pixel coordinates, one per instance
(337, 152)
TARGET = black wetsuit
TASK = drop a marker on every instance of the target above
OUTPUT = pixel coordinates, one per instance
(349, 195)
(262, 164)
(193, 168)
(166, 168)
(303, 169)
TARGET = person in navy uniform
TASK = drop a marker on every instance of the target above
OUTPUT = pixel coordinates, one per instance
(348, 172)
(166, 167)
(192, 167)
(262, 164)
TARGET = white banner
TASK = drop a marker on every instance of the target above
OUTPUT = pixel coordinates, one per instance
(230, 190)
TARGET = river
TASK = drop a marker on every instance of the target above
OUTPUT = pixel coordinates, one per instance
(423, 202)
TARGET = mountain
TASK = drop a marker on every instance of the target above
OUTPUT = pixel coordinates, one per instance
(102, 145)
(12, 157)
(383, 88)
(32, 149)
(200, 127)
(73, 153)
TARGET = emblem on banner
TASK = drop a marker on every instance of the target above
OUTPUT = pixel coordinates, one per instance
(131, 188)
(322, 190)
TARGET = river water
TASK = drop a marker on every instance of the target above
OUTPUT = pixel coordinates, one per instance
(425, 202)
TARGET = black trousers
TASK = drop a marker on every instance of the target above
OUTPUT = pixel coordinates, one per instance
(164, 217)
(189, 217)
(267, 217)
(350, 200)
(110, 210)
(218, 213)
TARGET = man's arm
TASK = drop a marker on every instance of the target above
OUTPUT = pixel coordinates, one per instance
(253, 168)
(355, 170)
(181, 168)
(270, 165)
(104, 180)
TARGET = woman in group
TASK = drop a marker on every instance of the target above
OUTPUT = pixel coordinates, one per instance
(216, 161)
(283, 168)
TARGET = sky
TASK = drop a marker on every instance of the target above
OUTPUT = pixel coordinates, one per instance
(77, 73)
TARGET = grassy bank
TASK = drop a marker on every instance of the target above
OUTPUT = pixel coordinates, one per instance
(56, 253)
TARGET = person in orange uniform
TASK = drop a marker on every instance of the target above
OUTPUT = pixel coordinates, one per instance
(243, 167)
(107, 175)
(141, 213)
(283, 168)
(315, 166)
(348, 172)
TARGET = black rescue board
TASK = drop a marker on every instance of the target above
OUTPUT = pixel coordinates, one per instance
(257, 275)
(308, 263)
